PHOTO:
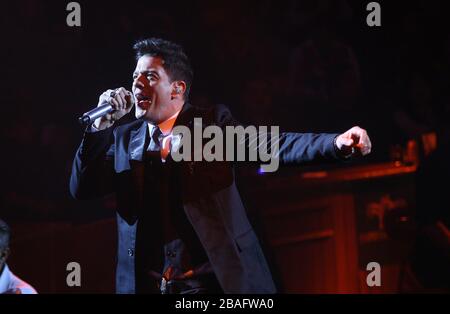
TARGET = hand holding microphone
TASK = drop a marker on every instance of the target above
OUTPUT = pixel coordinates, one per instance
(113, 104)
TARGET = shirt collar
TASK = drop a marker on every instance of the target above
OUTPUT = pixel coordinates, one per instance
(166, 126)
(5, 279)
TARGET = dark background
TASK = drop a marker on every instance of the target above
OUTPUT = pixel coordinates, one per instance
(304, 65)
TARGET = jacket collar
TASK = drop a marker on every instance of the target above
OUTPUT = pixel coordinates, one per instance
(139, 134)
(5, 279)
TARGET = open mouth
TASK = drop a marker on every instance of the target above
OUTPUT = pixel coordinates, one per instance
(143, 101)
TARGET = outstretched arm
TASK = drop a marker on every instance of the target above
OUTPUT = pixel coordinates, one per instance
(302, 147)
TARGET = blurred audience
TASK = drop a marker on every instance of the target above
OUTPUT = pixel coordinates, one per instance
(415, 117)
(430, 257)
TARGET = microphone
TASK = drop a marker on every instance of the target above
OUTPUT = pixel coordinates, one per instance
(90, 116)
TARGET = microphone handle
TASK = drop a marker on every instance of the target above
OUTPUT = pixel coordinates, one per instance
(90, 116)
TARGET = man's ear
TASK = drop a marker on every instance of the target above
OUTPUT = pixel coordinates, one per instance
(179, 88)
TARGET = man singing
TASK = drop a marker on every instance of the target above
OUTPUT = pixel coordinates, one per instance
(182, 227)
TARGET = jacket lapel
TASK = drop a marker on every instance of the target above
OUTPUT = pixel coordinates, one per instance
(137, 142)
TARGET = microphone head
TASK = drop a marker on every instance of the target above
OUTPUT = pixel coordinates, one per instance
(84, 120)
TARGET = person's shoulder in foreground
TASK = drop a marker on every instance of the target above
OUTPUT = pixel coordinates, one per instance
(11, 284)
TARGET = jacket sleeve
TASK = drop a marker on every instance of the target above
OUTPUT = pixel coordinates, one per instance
(293, 148)
(92, 169)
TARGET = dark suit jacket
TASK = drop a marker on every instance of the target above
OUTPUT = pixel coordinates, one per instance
(109, 161)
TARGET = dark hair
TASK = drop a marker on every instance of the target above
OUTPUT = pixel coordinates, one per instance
(176, 62)
(5, 234)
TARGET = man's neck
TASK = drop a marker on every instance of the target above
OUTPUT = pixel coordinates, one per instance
(167, 125)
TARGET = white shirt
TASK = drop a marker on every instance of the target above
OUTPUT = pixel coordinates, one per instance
(8, 281)
(166, 136)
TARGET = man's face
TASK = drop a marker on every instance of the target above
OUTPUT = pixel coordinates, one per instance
(152, 91)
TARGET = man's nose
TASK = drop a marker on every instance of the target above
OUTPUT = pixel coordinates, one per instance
(139, 81)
